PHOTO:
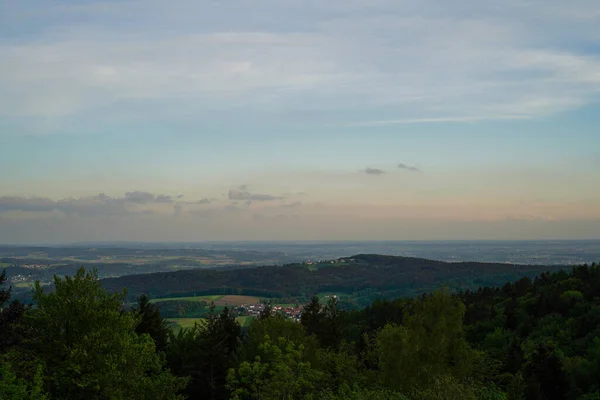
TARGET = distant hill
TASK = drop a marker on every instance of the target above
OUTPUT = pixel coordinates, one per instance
(367, 275)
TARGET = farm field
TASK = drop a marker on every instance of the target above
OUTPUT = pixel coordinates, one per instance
(235, 300)
(244, 321)
(185, 323)
(22, 284)
(219, 300)
(190, 298)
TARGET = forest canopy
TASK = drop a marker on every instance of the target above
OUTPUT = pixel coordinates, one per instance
(533, 338)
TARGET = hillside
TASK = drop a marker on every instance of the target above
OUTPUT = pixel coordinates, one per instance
(364, 275)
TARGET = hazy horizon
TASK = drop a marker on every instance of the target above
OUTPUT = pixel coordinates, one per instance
(228, 120)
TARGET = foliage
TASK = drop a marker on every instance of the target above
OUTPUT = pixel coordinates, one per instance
(205, 353)
(545, 333)
(433, 335)
(15, 388)
(151, 322)
(88, 346)
(10, 313)
(369, 274)
(274, 327)
(279, 372)
(529, 339)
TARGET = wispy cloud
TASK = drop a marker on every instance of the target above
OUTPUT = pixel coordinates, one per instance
(408, 167)
(374, 171)
(204, 200)
(522, 61)
(241, 195)
(162, 198)
(433, 120)
(99, 204)
(144, 197)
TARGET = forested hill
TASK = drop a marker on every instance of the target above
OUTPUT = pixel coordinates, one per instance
(362, 275)
(535, 339)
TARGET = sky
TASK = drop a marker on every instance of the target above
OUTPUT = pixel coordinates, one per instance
(194, 120)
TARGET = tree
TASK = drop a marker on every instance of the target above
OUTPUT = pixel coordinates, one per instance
(274, 327)
(312, 316)
(9, 315)
(544, 374)
(429, 345)
(330, 333)
(14, 388)
(205, 353)
(267, 311)
(88, 346)
(151, 323)
(279, 372)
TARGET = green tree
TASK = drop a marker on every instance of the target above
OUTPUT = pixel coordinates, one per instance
(330, 334)
(274, 327)
(151, 322)
(428, 346)
(205, 353)
(267, 311)
(312, 316)
(14, 388)
(544, 374)
(10, 314)
(88, 346)
(280, 372)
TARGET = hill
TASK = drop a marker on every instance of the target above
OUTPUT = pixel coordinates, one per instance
(363, 275)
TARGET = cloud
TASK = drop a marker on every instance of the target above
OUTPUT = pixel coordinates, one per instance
(140, 197)
(525, 60)
(240, 195)
(161, 198)
(374, 171)
(99, 204)
(33, 204)
(433, 120)
(408, 168)
(204, 200)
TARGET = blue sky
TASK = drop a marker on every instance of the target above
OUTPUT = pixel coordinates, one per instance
(299, 120)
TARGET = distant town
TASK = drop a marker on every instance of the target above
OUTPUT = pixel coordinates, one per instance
(255, 310)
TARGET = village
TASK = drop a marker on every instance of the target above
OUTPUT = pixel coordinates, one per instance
(255, 310)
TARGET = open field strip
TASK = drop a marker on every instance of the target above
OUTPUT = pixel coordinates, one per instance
(185, 323)
(208, 298)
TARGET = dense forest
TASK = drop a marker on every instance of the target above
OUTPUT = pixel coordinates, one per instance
(533, 338)
(363, 276)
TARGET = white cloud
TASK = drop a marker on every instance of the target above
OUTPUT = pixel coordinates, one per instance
(432, 61)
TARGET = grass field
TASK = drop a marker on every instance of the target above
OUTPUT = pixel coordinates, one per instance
(185, 323)
(190, 298)
(22, 284)
(244, 321)
(220, 300)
